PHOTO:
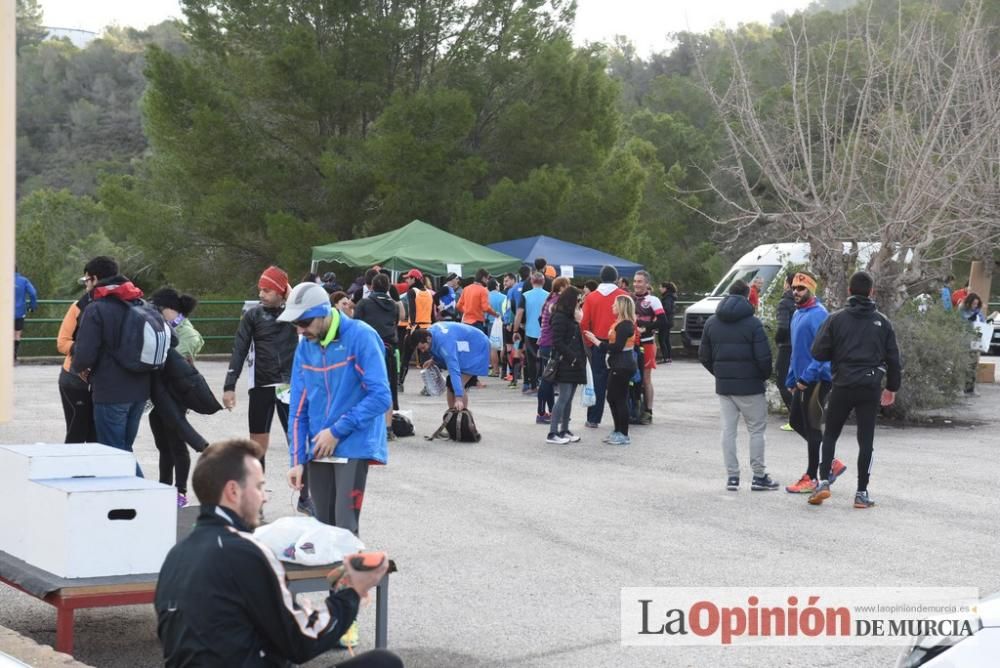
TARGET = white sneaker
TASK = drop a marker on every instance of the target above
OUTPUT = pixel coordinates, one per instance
(556, 439)
(570, 436)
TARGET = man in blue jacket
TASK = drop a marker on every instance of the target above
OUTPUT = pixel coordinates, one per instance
(339, 395)
(808, 380)
(25, 299)
(463, 349)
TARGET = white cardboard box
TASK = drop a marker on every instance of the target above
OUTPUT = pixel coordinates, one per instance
(91, 518)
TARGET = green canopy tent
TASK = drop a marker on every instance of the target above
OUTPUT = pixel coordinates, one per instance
(416, 246)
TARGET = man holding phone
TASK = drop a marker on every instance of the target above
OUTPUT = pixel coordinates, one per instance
(339, 396)
(222, 598)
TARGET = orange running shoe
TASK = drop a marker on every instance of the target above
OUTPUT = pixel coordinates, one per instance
(805, 485)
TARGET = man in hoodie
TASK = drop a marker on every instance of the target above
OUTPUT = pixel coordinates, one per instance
(783, 342)
(463, 349)
(734, 349)
(25, 300)
(119, 394)
(380, 311)
(860, 344)
(340, 393)
(599, 318)
(808, 379)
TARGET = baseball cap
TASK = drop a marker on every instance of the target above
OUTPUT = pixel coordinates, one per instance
(307, 300)
(414, 273)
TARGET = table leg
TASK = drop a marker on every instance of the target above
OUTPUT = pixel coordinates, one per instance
(382, 613)
(64, 629)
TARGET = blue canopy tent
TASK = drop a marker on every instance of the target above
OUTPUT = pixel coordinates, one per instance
(585, 261)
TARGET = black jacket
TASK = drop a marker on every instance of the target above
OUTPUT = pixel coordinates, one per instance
(178, 387)
(222, 600)
(734, 348)
(567, 345)
(783, 317)
(380, 311)
(621, 350)
(274, 346)
(860, 345)
(97, 337)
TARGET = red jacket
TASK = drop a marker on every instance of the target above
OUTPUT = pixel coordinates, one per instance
(597, 314)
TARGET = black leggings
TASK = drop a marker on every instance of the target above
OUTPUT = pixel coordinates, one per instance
(78, 409)
(803, 415)
(864, 401)
(173, 452)
(376, 658)
(618, 398)
(781, 364)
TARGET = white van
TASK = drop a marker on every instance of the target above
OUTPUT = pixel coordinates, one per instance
(764, 261)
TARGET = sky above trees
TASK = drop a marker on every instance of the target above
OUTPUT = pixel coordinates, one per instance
(644, 22)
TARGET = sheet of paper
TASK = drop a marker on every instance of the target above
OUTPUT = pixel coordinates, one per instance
(566, 270)
(455, 269)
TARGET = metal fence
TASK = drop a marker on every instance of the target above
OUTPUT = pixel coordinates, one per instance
(217, 320)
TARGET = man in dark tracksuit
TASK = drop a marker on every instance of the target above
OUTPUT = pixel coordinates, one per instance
(222, 598)
(861, 346)
(783, 341)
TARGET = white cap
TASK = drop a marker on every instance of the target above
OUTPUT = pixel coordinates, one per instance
(303, 298)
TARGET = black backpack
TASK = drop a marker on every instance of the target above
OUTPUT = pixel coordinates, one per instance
(144, 338)
(401, 425)
(460, 427)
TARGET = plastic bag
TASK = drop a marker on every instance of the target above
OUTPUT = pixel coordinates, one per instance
(307, 541)
(496, 335)
(433, 380)
(588, 397)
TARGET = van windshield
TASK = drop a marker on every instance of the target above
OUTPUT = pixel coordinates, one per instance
(747, 274)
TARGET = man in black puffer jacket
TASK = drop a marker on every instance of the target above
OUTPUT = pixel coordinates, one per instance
(382, 312)
(783, 340)
(734, 349)
(860, 344)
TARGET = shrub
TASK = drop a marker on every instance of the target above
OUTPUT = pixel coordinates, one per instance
(934, 346)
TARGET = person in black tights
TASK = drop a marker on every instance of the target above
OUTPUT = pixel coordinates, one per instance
(621, 366)
(860, 345)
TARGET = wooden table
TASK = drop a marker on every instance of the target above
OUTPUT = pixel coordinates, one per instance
(69, 595)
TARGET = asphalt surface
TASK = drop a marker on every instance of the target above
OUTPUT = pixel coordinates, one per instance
(513, 552)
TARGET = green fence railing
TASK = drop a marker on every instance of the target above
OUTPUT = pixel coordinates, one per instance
(216, 320)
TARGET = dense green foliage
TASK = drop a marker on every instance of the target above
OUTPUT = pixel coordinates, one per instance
(200, 152)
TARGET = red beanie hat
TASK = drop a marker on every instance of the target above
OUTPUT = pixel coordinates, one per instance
(274, 278)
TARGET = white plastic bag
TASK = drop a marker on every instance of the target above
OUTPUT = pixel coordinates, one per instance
(496, 334)
(307, 541)
(588, 397)
(433, 380)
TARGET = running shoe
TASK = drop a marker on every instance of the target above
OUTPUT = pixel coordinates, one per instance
(618, 438)
(733, 483)
(647, 418)
(306, 506)
(570, 436)
(786, 427)
(821, 494)
(592, 425)
(556, 439)
(837, 469)
(350, 639)
(182, 500)
(862, 500)
(805, 485)
(543, 418)
(763, 483)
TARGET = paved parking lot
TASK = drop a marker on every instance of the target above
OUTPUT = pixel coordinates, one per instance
(513, 552)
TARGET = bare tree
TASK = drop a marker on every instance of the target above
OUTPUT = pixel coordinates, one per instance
(888, 131)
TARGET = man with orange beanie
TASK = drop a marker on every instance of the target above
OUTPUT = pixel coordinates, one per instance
(270, 346)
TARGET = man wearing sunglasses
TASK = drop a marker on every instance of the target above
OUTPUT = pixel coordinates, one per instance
(340, 393)
(808, 380)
